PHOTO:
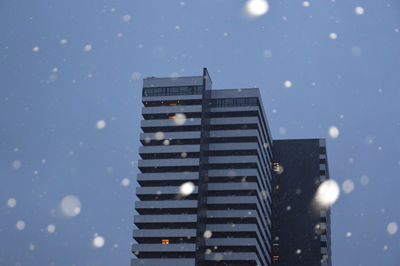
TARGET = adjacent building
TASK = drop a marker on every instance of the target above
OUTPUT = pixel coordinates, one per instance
(301, 227)
(208, 193)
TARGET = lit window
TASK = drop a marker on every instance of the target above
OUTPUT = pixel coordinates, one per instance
(165, 241)
(276, 167)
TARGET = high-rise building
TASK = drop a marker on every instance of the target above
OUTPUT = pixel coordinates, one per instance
(301, 224)
(206, 180)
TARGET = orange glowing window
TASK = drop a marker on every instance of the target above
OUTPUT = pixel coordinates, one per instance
(172, 104)
(165, 241)
(172, 117)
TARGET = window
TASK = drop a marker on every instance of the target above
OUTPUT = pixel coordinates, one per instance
(229, 102)
(165, 241)
(277, 167)
(168, 91)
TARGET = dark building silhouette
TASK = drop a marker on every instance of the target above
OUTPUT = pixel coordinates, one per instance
(301, 228)
(207, 189)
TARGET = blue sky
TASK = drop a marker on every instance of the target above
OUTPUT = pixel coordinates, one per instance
(65, 65)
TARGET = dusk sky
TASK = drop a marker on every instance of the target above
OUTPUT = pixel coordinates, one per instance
(71, 77)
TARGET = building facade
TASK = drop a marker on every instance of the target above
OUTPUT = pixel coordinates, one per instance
(206, 178)
(301, 227)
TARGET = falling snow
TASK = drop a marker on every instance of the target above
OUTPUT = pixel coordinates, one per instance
(16, 164)
(369, 140)
(125, 182)
(126, 18)
(70, 206)
(333, 132)
(11, 203)
(20, 225)
(186, 189)
(359, 10)
(71, 104)
(180, 119)
(159, 135)
(87, 47)
(364, 180)
(333, 36)
(347, 186)
(101, 124)
(392, 228)
(218, 256)
(51, 228)
(207, 234)
(327, 193)
(267, 53)
(287, 84)
(98, 241)
(256, 8)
